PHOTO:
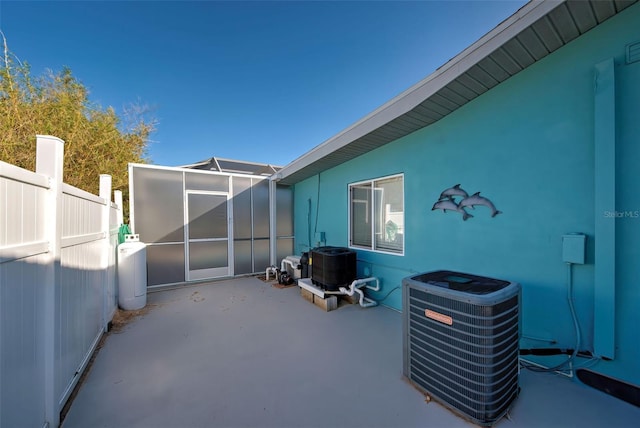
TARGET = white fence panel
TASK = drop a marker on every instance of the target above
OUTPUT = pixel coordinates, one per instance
(22, 195)
(81, 291)
(22, 245)
(58, 285)
(22, 343)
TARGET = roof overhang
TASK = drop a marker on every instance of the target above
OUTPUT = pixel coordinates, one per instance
(533, 32)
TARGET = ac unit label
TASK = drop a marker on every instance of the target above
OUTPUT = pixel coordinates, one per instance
(445, 319)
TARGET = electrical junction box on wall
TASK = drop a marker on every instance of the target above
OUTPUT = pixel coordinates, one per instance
(573, 248)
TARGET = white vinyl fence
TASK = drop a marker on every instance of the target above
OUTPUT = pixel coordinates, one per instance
(58, 284)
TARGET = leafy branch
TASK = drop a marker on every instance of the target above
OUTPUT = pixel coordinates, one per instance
(97, 140)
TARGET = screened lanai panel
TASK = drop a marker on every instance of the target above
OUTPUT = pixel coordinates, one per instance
(208, 255)
(207, 216)
(284, 210)
(159, 206)
(261, 254)
(284, 222)
(243, 262)
(210, 182)
(165, 264)
(241, 208)
(260, 195)
(242, 245)
(284, 248)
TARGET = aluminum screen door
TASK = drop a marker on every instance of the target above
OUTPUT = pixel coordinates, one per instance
(208, 249)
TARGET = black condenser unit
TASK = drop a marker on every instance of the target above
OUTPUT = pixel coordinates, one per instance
(460, 340)
(333, 267)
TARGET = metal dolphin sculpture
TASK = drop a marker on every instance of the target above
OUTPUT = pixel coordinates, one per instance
(453, 191)
(449, 205)
(476, 199)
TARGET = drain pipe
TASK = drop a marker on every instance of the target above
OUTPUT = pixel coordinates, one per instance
(363, 301)
(367, 281)
(356, 286)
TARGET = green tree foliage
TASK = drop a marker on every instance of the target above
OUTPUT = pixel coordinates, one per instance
(97, 141)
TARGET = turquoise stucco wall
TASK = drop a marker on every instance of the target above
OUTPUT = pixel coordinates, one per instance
(528, 145)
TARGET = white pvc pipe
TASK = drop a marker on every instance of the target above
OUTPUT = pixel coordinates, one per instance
(369, 303)
(270, 269)
(293, 265)
(359, 282)
(363, 301)
(356, 286)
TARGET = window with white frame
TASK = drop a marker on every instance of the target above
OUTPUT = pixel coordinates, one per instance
(376, 214)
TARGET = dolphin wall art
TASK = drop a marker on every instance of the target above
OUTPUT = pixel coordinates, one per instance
(453, 191)
(450, 205)
(448, 202)
(476, 199)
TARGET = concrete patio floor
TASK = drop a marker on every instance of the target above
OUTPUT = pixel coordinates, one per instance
(242, 353)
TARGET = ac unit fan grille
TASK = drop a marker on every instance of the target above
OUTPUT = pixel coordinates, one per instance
(467, 333)
(483, 375)
(467, 354)
(465, 308)
(488, 395)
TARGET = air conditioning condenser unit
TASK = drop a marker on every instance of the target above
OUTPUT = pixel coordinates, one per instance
(461, 341)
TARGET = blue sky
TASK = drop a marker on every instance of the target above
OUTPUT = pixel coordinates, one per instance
(259, 81)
